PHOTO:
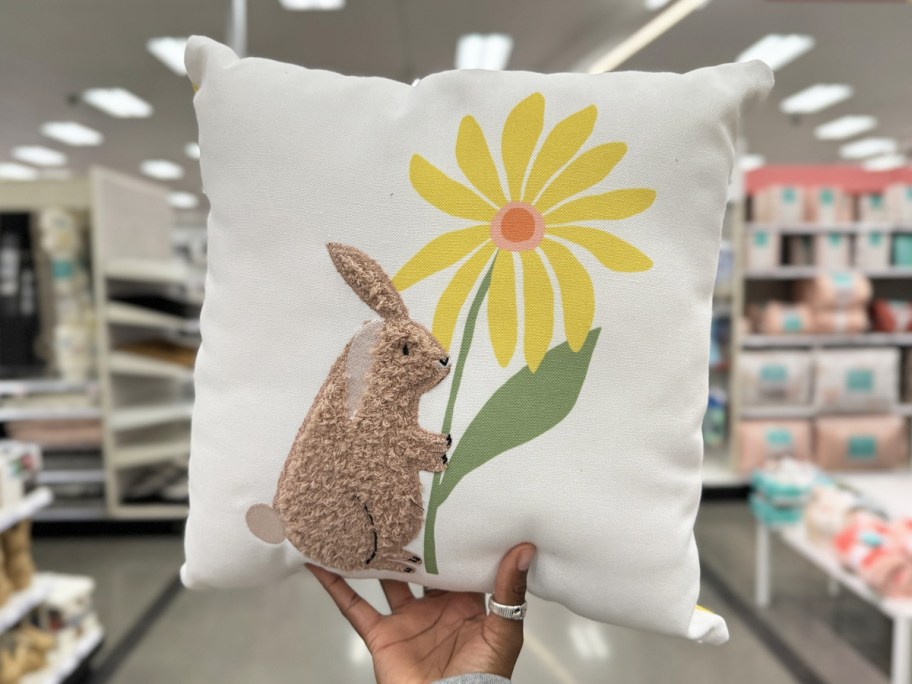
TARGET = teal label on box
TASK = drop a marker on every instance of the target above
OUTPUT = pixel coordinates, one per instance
(826, 196)
(859, 380)
(789, 195)
(874, 239)
(62, 269)
(761, 238)
(877, 201)
(862, 447)
(842, 280)
(778, 437)
(791, 322)
(835, 239)
(774, 373)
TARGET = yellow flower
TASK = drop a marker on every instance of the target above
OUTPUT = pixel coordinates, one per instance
(520, 222)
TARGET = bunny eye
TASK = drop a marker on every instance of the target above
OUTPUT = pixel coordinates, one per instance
(405, 349)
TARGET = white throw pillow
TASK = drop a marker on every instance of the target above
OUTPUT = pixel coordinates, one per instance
(555, 236)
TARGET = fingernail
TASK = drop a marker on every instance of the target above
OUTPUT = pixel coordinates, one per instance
(525, 559)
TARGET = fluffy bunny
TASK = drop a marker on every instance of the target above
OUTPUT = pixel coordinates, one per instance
(349, 496)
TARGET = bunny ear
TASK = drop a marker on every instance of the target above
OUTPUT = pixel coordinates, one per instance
(358, 364)
(368, 280)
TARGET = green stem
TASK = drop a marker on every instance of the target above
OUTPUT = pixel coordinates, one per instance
(436, 498)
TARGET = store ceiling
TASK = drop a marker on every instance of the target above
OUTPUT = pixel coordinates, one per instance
(52, 50)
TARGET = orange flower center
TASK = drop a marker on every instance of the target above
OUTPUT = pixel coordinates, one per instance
(517, 227)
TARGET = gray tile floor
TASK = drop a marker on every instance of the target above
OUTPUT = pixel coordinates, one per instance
(291, 632)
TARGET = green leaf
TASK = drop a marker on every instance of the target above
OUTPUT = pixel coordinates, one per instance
(524, 407)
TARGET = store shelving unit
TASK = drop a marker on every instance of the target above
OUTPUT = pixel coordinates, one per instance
(146, 402)
(888, 490)
(31, 504)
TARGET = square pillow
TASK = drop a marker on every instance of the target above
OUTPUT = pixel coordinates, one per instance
(447, 318)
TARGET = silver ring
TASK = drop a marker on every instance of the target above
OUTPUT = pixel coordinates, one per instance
(508, 612)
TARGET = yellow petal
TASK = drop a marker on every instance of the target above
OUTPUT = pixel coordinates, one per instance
(581, 174)
(577, 295)
(454, 296)
(475, 160)
(520, 135)
(610, 250)
(441, 252)
(617, 204)
(562, 143)
(502, 323)
(538, 296)
(446, 194)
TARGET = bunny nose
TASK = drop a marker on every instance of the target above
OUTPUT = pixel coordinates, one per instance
(445, 360)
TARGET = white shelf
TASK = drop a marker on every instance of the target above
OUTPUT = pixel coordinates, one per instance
(891, 490)
(80, 510)
(121, 313)
(62, 667)
(82, 413)
(77, 476)
(34, 501)
(145, 416)
(826, 560)
(859, 340)
(28, 386)
(128, 363)
(801, 272)
(156, 511)
(788, 412)
(20, 604)
(145, 454)
(147, 270)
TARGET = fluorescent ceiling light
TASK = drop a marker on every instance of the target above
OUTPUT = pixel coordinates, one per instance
(39, 156)
(170, 52)
(192, 150)
(489, 51)
(885, 162)
(816, 98)
(313, 4)
(183, 200)
(845, 127)
(777, 50)
(867, 147)
(161, 169)
(653, 5)
(656, 27)
(749, 162)
(72, 133)
(118, 102)
(12, 171)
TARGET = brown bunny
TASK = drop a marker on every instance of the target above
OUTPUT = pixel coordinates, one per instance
(349, 496)
(17, 547)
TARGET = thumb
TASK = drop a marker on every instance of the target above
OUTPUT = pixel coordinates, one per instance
(510, 590)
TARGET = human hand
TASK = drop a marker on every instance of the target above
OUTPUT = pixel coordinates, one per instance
(442, 634)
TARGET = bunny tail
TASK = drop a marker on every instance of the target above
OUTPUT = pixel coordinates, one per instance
(266, 524)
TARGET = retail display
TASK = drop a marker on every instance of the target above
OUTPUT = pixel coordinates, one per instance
(514, 398)
(763, 442)
(775, 377)
(844, 443)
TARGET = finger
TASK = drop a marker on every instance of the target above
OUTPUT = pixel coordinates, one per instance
(397, 593)
(356, 610)
(510, 587)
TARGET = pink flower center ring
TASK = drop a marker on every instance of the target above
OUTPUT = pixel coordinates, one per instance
(518, 227)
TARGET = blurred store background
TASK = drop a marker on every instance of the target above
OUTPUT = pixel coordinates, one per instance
(805, 530)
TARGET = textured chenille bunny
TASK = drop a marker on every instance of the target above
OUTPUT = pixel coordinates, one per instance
(349, 496)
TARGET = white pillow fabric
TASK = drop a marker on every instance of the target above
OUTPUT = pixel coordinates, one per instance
(554, 241)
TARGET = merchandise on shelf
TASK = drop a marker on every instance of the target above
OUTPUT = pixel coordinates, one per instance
(19, 465)
(778, 318)
(828, 206)
(872, 208)
(850, 320)
(834, 290)
(780, 490)
(775, 377)
(872, 248)
(764, 442)
(891, 315)
(72, 434)
(764, 246)
(861, 442)
(899, 203)
(827, 511)
(856, 379)
(878, 550)
(714, 420)
(799, 251)
(832, 250)
(783, 204)
(902, 249)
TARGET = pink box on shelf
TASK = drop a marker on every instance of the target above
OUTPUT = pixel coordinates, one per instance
(761, 440)
(862, 443)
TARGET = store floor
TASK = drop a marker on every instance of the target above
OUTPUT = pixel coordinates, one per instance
(157, 632)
